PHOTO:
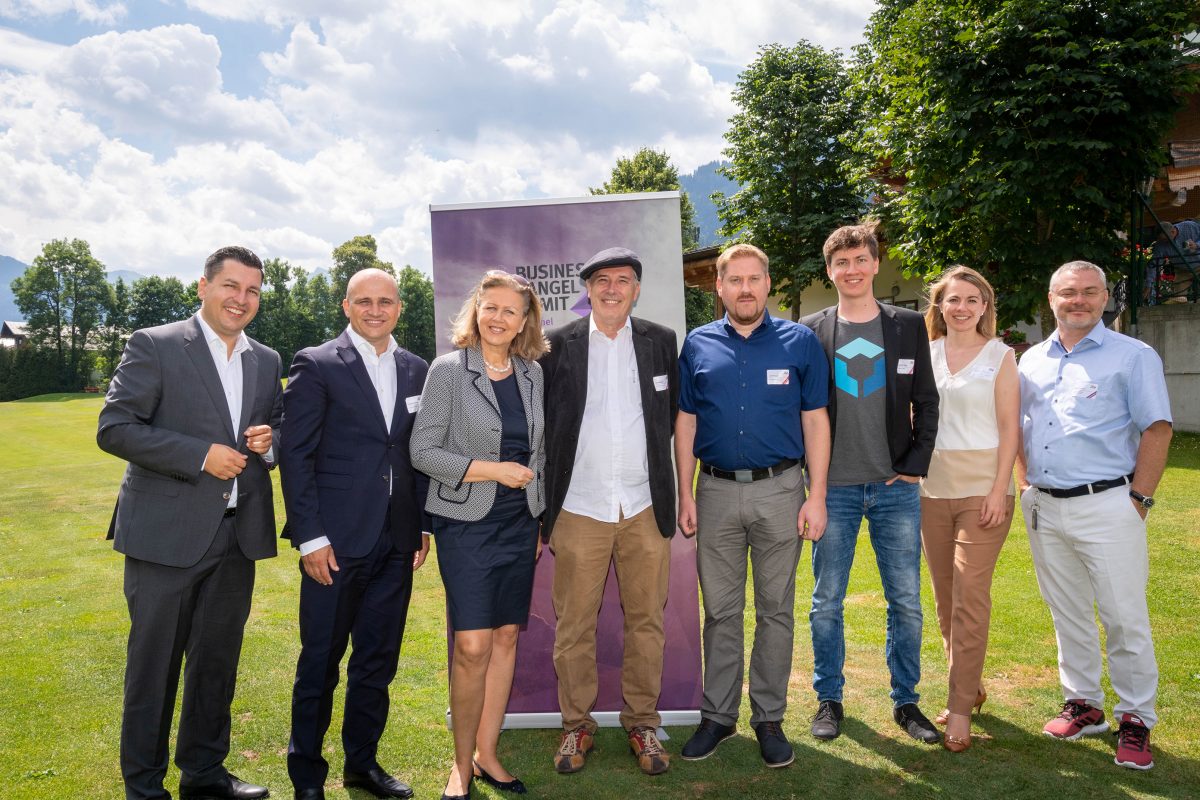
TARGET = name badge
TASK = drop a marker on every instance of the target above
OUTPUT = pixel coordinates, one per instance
(778, 377)
(660, 383)
(413, 403)
(1088, 391)
(904, 366)
(982, 371)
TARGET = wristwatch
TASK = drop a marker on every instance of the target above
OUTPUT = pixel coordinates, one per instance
(1147, 502)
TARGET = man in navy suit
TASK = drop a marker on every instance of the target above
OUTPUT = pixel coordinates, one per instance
(354, 512)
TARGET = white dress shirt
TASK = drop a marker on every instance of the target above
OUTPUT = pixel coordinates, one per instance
(229, 370)
(611, 478)
(381, 369)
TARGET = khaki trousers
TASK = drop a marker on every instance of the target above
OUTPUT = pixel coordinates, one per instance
(583, 548)
(962, 557)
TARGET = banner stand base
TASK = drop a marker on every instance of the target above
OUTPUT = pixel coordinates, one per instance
(605, 719)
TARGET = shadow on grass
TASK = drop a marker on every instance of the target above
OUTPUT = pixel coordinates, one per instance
(63, 397)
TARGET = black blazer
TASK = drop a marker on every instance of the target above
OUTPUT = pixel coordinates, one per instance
(912, 399)
(335, 452)
(565, 370)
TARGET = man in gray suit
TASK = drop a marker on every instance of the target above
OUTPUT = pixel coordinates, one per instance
(193, 407)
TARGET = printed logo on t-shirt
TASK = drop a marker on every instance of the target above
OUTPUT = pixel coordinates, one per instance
(858, 368)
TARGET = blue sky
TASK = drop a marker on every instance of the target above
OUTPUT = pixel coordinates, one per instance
(162, 129)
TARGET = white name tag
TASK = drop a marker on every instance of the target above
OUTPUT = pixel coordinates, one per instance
(778, 377)
(981, 371)
(413, 403)
(1088, 391)
(904, 366)
(660, 383)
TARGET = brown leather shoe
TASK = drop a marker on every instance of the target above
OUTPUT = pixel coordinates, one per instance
(573, 750)
(651, 756)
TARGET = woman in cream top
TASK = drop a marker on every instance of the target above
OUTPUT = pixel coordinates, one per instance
(967, 498)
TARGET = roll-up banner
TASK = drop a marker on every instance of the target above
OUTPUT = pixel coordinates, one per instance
(548, 241)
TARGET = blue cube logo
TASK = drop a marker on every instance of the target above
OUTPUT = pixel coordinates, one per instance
(862, 359)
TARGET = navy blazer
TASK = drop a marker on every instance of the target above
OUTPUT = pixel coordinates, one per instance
(335, 452)
(912, 397)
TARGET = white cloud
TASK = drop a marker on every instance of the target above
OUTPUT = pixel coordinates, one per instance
(86, 10)
(26, 53)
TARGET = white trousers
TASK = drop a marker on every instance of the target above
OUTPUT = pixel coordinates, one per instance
(1090, 552)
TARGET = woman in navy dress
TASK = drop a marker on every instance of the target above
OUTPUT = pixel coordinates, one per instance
(478, 435)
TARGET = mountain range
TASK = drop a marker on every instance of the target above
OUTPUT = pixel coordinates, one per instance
(11, 268)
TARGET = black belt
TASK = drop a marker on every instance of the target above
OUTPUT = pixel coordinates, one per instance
(231, 512)
(750, 475)
(1088, 488)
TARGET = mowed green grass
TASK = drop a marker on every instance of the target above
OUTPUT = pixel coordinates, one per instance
(63, 626)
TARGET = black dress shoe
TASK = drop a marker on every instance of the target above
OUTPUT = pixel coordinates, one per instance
(229, 787)
(705, 740)
(310, 794)
(776, 750)
(916, 724)
(515, 786)
(827, 724)
(377, 782)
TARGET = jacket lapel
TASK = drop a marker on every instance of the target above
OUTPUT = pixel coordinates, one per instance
(249, 387)
(196, 346)
(473, 362)
(353, 361)
(521, 370)
(892, 336)
(577, 358)
(643, 353)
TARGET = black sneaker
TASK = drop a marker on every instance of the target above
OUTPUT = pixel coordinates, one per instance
(705, 740)
(916, 724)
(775, 748)
(827, 724)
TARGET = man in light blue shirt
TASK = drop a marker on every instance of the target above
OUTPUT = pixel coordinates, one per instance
(1096, 426)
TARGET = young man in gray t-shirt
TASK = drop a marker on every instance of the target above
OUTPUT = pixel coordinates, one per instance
(883, 409)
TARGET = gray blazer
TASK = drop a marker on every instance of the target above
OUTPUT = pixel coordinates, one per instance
(459, 421)
(165, 407)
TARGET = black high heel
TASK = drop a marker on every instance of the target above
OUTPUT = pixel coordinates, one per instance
(515, 785)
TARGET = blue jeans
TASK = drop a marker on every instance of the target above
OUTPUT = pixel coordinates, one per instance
(894, 520)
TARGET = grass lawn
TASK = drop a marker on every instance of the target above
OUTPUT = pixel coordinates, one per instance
(63, 625)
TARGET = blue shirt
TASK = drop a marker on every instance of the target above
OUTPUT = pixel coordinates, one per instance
(747, 393)
(1083, 412)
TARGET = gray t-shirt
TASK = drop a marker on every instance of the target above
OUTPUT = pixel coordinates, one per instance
(860, 445)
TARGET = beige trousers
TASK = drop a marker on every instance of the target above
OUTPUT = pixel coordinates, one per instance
(583, 548)
(962, 557)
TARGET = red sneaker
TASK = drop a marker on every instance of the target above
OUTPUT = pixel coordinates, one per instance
(1076, 719)
(1133, 743)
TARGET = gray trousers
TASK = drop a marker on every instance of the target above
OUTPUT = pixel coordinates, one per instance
(198, 612)
(734, 519)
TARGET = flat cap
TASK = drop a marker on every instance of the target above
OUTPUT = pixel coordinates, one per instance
(612, 257)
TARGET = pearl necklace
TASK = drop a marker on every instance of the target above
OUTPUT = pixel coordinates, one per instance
(507, 365)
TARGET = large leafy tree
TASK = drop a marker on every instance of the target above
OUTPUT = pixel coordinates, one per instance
(415, 331)
(788, 152)
(155, 300)
(352, 256)
(650, 170)
(62, 297)
(116, 330)
(1008, 134)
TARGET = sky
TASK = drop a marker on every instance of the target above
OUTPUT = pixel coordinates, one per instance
(160, 130)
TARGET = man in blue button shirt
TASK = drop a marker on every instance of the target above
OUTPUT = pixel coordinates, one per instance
(1096, 426)
(753, 390)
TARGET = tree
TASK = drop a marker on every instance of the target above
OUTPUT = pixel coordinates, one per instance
(698, 307)
(787, 151)
(1008, 134)
(652, 171)
(275, 323)
(156, 300)
(61, 296)
(352, 256)
(116, 308)
(415, 332)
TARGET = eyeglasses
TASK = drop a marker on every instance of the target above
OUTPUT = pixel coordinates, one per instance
(1071, 294)
(499, 273)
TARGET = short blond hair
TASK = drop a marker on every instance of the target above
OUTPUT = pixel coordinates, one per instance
(529, 344)
(741, 250)
(935, 323)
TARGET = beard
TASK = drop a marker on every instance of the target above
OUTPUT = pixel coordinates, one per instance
(742, 318)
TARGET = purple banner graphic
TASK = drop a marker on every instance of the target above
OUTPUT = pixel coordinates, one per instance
(548, 242)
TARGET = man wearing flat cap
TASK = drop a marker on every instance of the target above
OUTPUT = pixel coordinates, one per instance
(611, 396)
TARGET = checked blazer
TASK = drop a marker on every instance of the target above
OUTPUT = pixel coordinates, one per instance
(459, 421)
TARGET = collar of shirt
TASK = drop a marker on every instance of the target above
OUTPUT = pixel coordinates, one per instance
(216, 343)
(767, 319)
(626, 329)
(367, 349)
(1095, 336)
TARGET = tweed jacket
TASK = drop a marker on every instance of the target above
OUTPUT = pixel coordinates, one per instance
(459, 422)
